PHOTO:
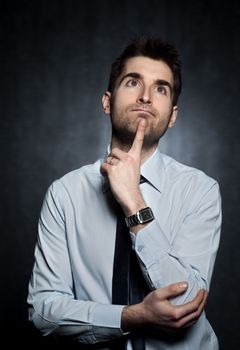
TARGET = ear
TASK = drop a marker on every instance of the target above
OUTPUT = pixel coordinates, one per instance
(173, 117)
(106, 102)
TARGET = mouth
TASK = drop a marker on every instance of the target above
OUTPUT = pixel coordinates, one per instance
(143, 111)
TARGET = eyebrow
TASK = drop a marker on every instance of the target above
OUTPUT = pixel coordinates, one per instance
(130, 75)
(139, 76)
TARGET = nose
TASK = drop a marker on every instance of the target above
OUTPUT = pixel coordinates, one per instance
(144, 97)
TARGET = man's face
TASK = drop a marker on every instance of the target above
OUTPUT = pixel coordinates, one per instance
(143, 90)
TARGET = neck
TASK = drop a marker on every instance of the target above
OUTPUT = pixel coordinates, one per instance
(146, 152)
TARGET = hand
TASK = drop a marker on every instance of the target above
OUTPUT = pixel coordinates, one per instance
(156, 309)
(123, 171)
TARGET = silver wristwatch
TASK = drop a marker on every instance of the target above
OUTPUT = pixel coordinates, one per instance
(141, 217)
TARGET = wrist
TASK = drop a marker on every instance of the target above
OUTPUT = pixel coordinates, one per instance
(134, 205)
(131, 318)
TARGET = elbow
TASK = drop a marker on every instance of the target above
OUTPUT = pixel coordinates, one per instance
(194, 285)
(44, 326)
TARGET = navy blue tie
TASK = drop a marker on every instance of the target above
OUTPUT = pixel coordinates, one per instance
(128, 284)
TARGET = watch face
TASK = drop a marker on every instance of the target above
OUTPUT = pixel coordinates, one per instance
(146, 214)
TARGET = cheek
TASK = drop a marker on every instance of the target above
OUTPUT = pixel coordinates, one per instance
(125, 97)
(164, 106)
(120, 104)
(163, 102)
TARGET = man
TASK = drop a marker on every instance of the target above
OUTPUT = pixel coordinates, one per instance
(172, 219)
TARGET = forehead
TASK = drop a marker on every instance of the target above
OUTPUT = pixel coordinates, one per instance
(148, 68)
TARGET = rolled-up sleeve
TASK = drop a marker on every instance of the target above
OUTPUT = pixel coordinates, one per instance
(191, 254)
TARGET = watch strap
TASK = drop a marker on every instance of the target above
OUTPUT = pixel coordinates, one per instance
(141, 217)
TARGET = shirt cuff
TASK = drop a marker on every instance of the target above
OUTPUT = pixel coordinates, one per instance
(105, 315)
(107, 321)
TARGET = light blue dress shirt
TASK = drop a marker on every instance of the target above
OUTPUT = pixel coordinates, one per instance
(71, 282)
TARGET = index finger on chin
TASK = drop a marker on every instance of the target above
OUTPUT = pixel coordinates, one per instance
(139, 137)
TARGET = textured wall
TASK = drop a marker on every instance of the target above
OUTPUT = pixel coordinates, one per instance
(54, 64)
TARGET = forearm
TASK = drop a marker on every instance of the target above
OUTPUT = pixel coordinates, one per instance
(182, 246)
(163, 265)
(157, 311)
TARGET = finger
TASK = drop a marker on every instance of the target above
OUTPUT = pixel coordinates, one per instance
(108, 160)
(190, 323)
(199, 300)
(186, 321)
(111, 160)
(192, 306)
(204, 301)
(192, 318)
(104, 169)
(118, 154)
(171, 291)
(139, 137)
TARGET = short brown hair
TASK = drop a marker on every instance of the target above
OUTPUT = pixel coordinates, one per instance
(154, 48)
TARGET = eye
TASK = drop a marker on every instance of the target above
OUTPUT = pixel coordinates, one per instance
(162, 89)
(132, 83)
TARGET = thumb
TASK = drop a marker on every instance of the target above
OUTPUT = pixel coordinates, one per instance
(172, 290)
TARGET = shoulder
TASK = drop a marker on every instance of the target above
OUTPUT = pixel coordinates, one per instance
(75, 180)
(187, 177)
(175, 168)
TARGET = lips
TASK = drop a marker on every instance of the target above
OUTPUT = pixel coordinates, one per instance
(143, 110)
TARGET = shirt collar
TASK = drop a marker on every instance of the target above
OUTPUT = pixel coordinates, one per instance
(153, 170)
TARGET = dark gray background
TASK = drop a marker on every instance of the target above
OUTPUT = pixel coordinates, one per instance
(54, 65)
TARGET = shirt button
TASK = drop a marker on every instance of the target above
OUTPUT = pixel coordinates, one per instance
(140, 248)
